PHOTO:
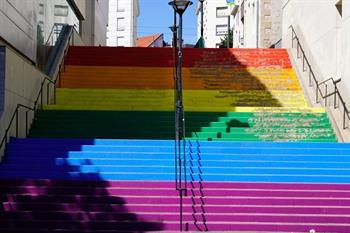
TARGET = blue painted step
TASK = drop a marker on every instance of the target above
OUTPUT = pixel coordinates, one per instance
(153, 160)
(37, 150)
(116, 142)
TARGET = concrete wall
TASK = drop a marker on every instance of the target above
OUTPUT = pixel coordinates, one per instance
(271, 22)
(345, 74)
(319, 27)
(251, 24)
(81, 4)
(22, 85)
(323, 31)
(18, 23)
(94, 27)
(101, 22)
(238, 25)
(27, 24)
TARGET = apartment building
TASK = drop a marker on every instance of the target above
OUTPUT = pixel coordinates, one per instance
(216, 21)
(122, 24)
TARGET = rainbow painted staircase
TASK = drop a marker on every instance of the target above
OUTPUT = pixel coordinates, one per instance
(102, 158)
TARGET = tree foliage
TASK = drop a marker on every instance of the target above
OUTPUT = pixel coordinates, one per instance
(223, 43)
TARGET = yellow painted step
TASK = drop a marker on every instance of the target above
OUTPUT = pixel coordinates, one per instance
(187, 108)
(191, 97)
(162, 100)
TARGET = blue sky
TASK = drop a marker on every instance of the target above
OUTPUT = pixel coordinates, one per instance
(156, 16)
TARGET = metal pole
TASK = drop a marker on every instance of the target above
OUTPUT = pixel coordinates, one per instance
(202, 18)
(174, 31)
(180, 116)
(228, 31)
(179, 102)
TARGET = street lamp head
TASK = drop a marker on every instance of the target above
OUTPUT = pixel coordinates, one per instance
(173, 28)
(180, 6)
(201, 1)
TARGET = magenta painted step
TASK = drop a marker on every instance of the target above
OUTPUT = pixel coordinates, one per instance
(154, 207)
(152, 184)
(227, 206)
(286, 201)
(151, 208)
(160, 217)
(173, 226)
(156, 191)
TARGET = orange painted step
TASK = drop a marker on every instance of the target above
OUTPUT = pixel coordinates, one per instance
(193, 78)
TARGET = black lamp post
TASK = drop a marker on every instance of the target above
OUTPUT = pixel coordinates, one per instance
(202, 18)
(179, 7)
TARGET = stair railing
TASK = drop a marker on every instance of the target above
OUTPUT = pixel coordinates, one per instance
(38, 103)
(196, 186)
(324, 85)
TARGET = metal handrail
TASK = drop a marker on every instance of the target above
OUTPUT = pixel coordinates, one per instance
(15, 115)
(35, 107)
(326, 95)
(52, 31)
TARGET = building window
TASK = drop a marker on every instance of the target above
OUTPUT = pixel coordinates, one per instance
(221, 12)
(221, 30)
(61, 10)
(120, 40)
(120, 24)
(41, 9)
(120, 6)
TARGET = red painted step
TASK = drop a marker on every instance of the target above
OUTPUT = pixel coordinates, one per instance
(163, 57)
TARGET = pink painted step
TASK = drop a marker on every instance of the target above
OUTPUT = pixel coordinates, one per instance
(227, 206)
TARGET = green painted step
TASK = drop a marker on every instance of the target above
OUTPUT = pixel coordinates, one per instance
(170, 136)
(245, 126)
(190, 116)
(262, 135)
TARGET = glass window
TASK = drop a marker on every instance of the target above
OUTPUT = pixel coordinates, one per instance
(61, 10)
(41, 9)
(221, 30)
(221, 12)
(120, 24)
(120, 40)
(120, 6)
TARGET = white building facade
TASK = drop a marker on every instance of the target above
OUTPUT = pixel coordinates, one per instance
(257, 23)
(122, 23)
(216, 21)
